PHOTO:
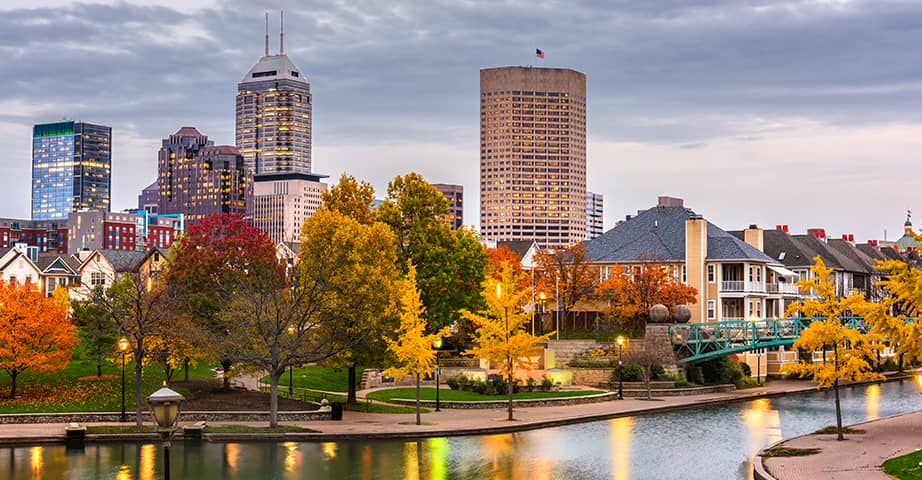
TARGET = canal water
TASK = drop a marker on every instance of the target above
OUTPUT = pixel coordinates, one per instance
(715, 442)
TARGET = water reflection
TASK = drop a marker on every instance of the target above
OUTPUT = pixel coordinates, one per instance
(706, 443)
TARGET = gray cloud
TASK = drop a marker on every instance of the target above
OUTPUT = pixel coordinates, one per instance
(399, 80)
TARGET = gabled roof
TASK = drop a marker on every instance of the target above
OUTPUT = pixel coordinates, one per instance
(783, 248)
(49, 261)
(857, 258)
(518, 247)
(124, 260)
(891, 254)
(15, 255)
(815, 247)
(659, 234)
(872, 251)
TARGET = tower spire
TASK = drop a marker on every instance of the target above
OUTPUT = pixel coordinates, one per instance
(267, 34)
(282, 35)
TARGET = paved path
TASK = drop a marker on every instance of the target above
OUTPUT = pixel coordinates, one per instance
(358, 424)
(858, 457)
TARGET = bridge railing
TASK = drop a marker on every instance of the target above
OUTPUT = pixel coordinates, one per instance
(697, 339)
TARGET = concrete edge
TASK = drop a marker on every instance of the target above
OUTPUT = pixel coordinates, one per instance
(760, 472)
(510, 428)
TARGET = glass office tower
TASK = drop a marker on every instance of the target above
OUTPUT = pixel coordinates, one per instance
(71, 169)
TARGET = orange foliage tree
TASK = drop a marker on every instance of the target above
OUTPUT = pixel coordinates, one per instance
(500, 255)
(566, 275)
(630, 294)
(35, 331)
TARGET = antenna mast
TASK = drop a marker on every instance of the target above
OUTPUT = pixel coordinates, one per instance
(267, 34)
(282, 35)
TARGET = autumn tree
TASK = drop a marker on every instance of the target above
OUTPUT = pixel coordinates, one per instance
(646, 362)
(892, 317)
(631, 294)
(499, 256)
(36, 334)
(351, 198)
(450, 264)
(501, 335)
(358, 264)
(209, 266)
(851, 349)
(142, 308)
(566, 275)
(413, 350)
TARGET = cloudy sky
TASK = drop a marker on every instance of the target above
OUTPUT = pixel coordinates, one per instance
(804, 113)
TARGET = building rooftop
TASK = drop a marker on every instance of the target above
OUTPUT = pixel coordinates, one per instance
(274, 67)
(659, 234)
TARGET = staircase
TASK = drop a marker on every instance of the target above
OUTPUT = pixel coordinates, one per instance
(566, 350)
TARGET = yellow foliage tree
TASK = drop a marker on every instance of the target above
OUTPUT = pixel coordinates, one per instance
(851, 349)
(890, 318)
(413, 350)
(501, 335)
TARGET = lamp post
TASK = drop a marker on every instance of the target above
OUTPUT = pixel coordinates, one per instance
(510, 385)
(620, 342)
(123, 347)
(557, 299)
(759, 366)
(164, 406)
(542, 298)
(437, 344)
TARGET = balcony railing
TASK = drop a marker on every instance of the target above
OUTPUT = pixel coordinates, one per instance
(786, 288)
(741, 286)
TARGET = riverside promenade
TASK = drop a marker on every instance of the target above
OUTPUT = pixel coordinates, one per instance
(450, 422)
(858, 457)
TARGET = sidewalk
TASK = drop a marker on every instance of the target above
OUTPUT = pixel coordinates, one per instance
(465, 422)
(858, 457)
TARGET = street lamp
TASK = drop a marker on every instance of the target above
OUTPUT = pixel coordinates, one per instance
(437, 344)
(620, 342)
(164, 406)
(510, 386)
(123, 347)
(759, 366)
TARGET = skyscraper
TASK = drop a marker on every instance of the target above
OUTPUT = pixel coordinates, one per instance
(533, 155)
(455, 196)
(274, 115)
(71, 168)
(594, 215)
(197, 178)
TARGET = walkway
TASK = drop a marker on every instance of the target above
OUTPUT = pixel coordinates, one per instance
(467, 422)
(858, 457)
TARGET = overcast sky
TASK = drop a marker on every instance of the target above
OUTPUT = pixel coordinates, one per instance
(804, 113)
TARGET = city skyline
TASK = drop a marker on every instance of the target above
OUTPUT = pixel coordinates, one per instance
(797, 113)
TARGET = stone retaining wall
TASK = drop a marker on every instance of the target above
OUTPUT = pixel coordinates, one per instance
(532, 402)
(101, 417)
(592, 377)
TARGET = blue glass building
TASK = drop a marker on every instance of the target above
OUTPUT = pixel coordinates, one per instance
(71, 168)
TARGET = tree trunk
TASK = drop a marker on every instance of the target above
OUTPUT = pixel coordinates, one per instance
(185, 366)
(13, 384)
(647, 374)
(350, 395)
(99, 365)
(225, 365)
(139, 421)
(510, 386)
(835, 386)
(419, 419)
(274, 399)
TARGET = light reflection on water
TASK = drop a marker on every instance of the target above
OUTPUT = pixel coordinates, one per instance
(707, 443)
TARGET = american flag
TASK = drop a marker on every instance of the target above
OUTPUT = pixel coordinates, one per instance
(909, 213)
(539, 53)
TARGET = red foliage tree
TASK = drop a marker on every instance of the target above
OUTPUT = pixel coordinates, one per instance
(499, 255)
(631, 294)
(566, 275)
(211, 263)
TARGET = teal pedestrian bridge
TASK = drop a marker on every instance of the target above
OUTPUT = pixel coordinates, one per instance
(696, 342)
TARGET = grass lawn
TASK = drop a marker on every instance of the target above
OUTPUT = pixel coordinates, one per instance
(316, 377)
(367, 407)
(428, 393)
(77, 388)
(906, 467)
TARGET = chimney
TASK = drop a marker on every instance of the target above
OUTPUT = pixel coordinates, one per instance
(778, 227)
(845, 237)
(784, 228)
(817, 232)
(669, 202)
(851, 237)
(696, 247)
(872, 243)
(754, 236)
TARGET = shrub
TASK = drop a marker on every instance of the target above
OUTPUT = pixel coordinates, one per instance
(530, 384)
(747, 370)
(889, 366)
(720, 371)
(546, 384)
(681, 382)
